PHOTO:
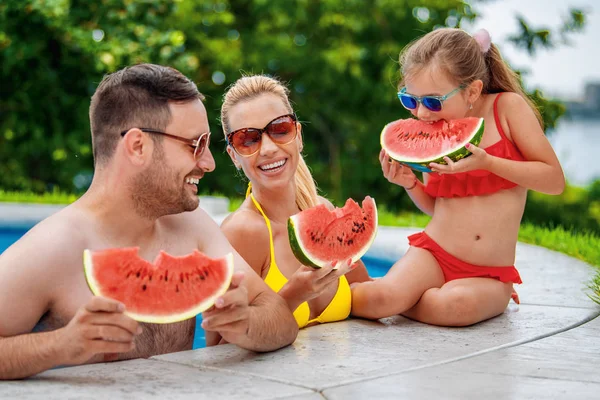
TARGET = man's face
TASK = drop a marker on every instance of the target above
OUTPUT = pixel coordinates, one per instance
(169, 185)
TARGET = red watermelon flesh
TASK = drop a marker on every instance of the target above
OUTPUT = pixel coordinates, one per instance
(415, 141)
(319, 236)
(168, 290)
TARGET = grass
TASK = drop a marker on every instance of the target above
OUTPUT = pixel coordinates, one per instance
(54, 197)
(58, 197)
(388, 218)
(584, 246)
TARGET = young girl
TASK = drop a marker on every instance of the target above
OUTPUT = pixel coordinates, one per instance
(460, 271)
(264, 139)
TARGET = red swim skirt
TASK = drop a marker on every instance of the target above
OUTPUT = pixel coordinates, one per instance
(453, 268)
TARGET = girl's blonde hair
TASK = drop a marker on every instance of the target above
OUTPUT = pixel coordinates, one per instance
(250, 87)
(461, 57)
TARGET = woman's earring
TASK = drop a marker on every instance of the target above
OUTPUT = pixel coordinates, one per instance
(470, 106)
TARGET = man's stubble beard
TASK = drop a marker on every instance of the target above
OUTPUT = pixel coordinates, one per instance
(158, 191)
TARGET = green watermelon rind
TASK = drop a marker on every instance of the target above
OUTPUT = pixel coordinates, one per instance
(303, 255)
(94, 286)
(458, 154)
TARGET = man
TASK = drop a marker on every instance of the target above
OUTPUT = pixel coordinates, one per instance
(150, 137)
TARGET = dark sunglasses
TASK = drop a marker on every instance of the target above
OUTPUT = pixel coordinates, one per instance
(432, 103)
(246, 141)
(198, 145)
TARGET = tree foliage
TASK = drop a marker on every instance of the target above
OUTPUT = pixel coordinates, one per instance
(339, 58)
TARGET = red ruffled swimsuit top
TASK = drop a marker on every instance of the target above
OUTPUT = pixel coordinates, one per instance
(479, 182)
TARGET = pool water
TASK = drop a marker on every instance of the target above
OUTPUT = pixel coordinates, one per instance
(10, 235)
(376, 267)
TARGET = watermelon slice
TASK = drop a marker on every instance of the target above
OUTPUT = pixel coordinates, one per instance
(169, 290)
(417, 143)
(319, 236)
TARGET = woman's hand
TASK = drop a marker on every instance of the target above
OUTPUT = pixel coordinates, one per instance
(478, 160)
(395, 172)
(308, 282)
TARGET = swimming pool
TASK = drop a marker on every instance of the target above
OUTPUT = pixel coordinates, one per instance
(376, 267)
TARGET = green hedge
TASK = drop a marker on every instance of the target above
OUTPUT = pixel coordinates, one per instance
(576, 209)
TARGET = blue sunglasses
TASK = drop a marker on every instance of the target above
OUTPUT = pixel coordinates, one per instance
(432, 103)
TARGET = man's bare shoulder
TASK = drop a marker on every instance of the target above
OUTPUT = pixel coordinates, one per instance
(56, 240)
(35, 268)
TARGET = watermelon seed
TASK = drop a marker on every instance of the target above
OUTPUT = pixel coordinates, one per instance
(129, 273)
(181, 277)
(150, 278)
(161, 278)
(176, 288)
(143, 287)
(138, 274)
(166, 275)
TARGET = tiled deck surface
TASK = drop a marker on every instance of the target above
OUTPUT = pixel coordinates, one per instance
(546, 348)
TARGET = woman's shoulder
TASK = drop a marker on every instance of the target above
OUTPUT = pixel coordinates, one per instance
(245, 220)
(247, 232)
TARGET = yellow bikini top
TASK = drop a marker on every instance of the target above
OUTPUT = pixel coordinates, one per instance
(337, 310)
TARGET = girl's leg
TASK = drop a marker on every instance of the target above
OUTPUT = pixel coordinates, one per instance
(400, 289)
(462, 302)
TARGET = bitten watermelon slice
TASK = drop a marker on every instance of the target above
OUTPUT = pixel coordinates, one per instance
(169, 290)
(417, 143)
(319, 236)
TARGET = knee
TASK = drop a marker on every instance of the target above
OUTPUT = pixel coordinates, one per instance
(461, 307)
(374, 300)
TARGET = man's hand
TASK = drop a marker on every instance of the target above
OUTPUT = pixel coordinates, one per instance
(98, 327)
(230, 314)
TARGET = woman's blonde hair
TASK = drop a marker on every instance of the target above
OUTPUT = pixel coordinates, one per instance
(461, 57)
(250, 87)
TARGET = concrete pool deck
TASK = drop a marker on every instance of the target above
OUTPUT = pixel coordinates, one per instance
(547, 347)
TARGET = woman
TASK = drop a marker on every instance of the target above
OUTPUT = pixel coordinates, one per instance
(264, 140)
